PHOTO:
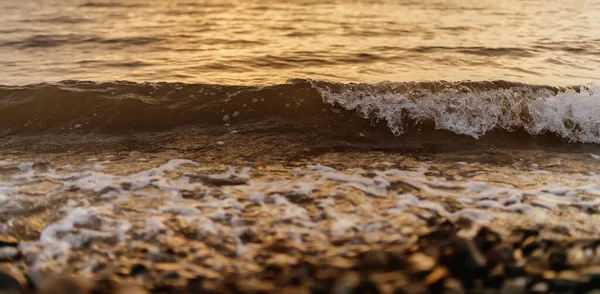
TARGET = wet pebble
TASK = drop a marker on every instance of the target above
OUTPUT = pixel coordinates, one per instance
(465, 262)
(65, 284)
(514, 286)
(453, 286)
(455, 265)
(374, 260)
(567, 282)
(10, 285)
(420, 263)
(8, 241)
(130, 289)
(108, 286)
(558, 259)
(539, 287)
(487, 239)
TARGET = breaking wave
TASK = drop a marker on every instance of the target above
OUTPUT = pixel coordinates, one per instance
(465, 108)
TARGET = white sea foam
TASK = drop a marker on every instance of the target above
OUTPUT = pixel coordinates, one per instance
(314, 200)
(470, 111)
(7, 191)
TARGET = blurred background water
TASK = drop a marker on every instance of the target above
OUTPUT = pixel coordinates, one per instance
(553, 42)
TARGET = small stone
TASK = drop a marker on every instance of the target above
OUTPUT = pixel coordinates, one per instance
(413, 288)
(592, 272)
(514, 286)
(373, 260)
(366, 287)
(192, 195)
(549, 275)
(166, 267)
(195, 285)
(464, 223)
(138, 269)
(8, 241)
(142, 247)
(445, 232)
(487, 239)
(576, 257)
(253, 286)
(540, 287)
(499, 255)
(165, 289)
(296, 290)
(536, 266)
(203, 273)
(558, 259)
(104, 286)
(129, 289)
(420, 263)
(530, 245)
(340, 262)
(388, 278)
(571, 275)
(517, 254)
(65, 284)
(397, 261)
(435, 279)
(437, 275)
(169, 277)
(567, 282)
(10, 285)
(109, 286)
(352, 283)
(593, 276)
(513, 271)
(465, 262)
(453, 286)
(495, 277)
(523, 234)
(161, 257)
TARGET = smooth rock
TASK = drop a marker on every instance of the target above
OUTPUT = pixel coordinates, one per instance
(420, 263)
(539, 287)
(514, 286)
(65, 284)
(495, 277)
(130, 289)
(487, 239)
(453, 286)
(464, 261)
(558, 259)
(10, 285)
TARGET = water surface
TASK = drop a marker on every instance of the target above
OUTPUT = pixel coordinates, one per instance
(267, 42)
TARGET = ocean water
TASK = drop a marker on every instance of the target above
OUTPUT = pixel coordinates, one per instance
(129, 122)
(268, 42)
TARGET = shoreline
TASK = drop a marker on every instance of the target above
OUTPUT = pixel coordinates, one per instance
(177, 216)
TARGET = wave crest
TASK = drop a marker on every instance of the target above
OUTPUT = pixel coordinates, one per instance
(475, 108)
(465, 108)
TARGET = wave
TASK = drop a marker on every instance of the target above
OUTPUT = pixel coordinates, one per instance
(465, 108)
(475, 108)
